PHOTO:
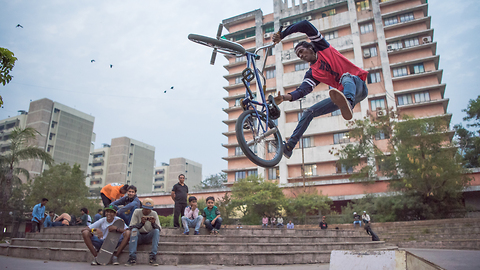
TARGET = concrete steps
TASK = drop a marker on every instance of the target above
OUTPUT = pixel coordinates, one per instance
(231, 247)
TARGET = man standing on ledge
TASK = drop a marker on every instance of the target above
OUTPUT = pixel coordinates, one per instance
(328, 66)
(179, 196)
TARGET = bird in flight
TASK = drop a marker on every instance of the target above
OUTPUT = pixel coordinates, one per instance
(18, 25)
(93, 60)
(166, 90)
(111, 66)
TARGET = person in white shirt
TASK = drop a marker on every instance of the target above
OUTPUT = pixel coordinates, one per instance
(365, 217)
(191, 219)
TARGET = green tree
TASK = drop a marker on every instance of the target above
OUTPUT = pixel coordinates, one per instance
(469, 143)
(307, 203)
(65, 188)
(214, 181)
(255, 197)
(21, 148)
(419, 159)
(7, 62)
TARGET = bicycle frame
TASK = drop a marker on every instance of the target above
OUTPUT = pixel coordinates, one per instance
(249, 101)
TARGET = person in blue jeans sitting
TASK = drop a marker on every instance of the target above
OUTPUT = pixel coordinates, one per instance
(327, 66)
(130, 202)
(145, 228)
(191, 218)
(211, 216)
(49, 220)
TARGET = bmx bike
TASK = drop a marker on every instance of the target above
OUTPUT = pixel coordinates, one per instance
(257, 133)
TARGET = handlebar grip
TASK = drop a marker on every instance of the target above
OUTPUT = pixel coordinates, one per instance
(281, 28)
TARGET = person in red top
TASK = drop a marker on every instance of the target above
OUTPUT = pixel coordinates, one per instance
(112, 192)
(327, 66)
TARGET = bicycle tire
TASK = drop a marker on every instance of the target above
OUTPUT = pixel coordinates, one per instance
(219, 44)
(267, 152)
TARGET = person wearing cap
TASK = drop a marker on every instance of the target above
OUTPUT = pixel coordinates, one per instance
(323, 224)
(356, 219)
(112, 192)
(94, 234)
(145, 228)
(365, 217)
(130, 202)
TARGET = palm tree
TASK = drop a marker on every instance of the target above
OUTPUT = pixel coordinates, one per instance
(20, 149)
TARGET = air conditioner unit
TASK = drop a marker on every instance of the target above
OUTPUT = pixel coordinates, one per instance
(308, 18)
(426, 39)
(366, 54)
(266, 36)
(389, 47)
(286, 23)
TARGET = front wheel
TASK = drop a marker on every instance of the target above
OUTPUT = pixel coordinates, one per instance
(263, 148)
(220, 44)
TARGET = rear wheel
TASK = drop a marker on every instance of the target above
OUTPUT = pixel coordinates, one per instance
(219, 44)
(263, 148)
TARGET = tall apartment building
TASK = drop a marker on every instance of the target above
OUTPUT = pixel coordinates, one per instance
(98, 169)
(191, 169)
(130, 162)
(160, 178)
(391, 39)
(65, 133)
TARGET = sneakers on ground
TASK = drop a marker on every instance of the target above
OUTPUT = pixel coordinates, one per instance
(94, 262)
(115, 260)
(131, 262)
(196, 233)
(342, 102)
(215, 231)
(287, 150)
(186, 233)
(153, 261)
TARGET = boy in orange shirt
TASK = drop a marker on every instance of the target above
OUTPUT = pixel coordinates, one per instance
(112, 192)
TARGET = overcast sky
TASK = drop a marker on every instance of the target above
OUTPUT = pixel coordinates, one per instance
(146, 44)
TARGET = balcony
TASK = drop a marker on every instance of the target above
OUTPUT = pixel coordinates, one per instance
(421, 89)
(443, 102)
(427, 32)
(423, 7)
(433, 58)
(438, 73)
(432, 45)
(427, 20)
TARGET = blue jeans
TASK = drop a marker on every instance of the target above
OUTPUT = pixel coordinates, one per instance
(354, 89)
(136, 238)
(126, 217)
(192, 223)
(97, 242)
(357, 222)
(218, 223)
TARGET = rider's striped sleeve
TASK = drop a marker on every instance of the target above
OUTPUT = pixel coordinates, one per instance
(306, 87)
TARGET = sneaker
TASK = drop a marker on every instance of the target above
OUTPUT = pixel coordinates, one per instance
(196, 233)
(215, 231)
(94, 262)
(186, 233)
(131, 262)
(115, 260)
(153, 261)
(287, 150)
(341, 101)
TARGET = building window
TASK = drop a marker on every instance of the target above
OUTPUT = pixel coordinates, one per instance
(252, 172)
(337, 112)
(273, 173)
(418, 69)
(363, 5)
(160, 179)
(411, 42)
(341, 137)
(331, 35)
(238, 151)
(406, 17)
(240, 59)
(396, 45)
(240, 175)
(366, 28)
(422, 97)
(301, 66)
(405, 99)
(391, 20)
(377, 104)
(343, 169)
(373, 77)
(270, 73)
(311, 169)
(401, 71)
(306, 142)
(370, 52)
(237, 101)
(381, 164)
(159, 186)
(329, 12)
(238, 79)
(52, 136)
(381, 135)
(269, 29)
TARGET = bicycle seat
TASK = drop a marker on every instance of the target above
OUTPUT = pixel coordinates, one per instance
(273, 108)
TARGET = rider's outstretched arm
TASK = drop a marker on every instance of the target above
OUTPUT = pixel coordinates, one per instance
(307, 28)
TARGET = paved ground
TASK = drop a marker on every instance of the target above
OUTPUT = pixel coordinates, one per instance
(450, 259)
(12, 263)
